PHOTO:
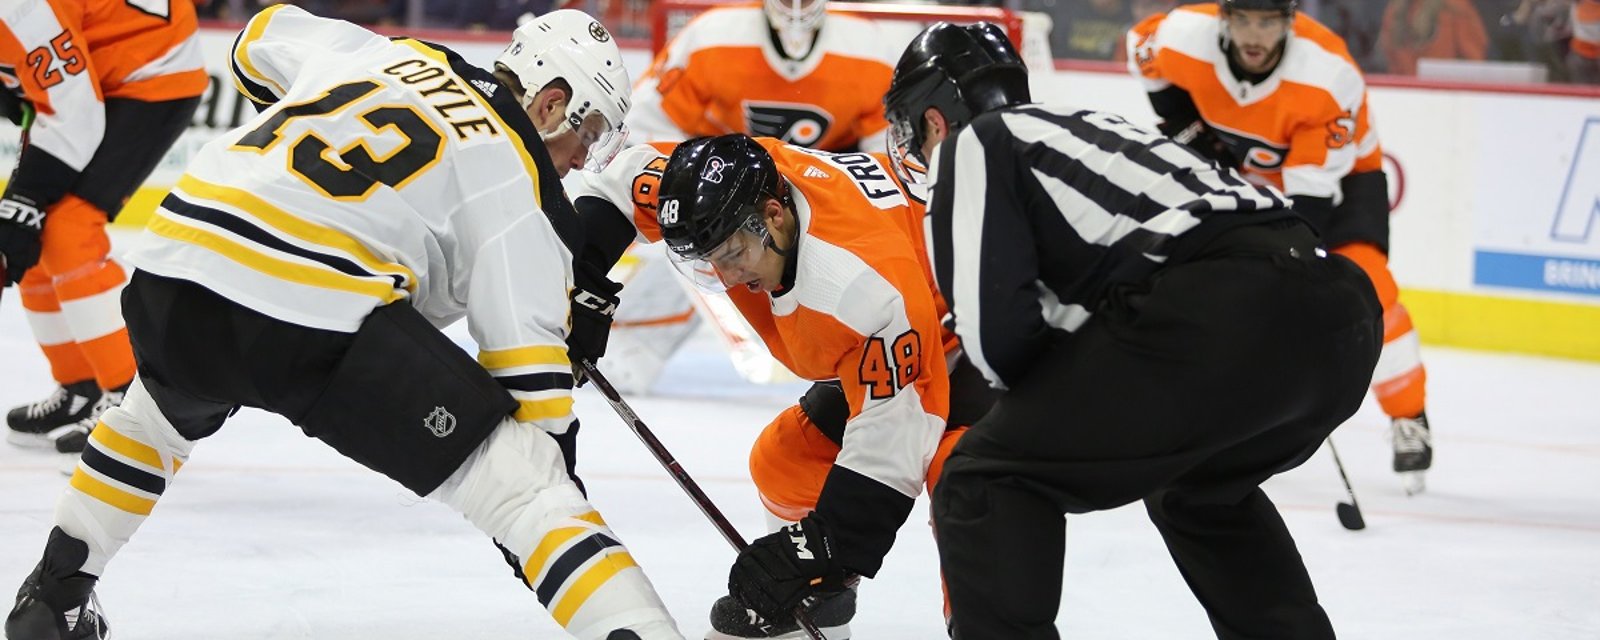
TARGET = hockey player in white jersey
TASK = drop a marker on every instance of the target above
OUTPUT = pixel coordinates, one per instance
(303, 265)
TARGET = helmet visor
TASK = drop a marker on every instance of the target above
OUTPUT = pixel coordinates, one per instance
(905, 153)
(598, 138)
(730, 264)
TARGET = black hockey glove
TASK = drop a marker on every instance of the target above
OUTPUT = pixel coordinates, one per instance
(594, 302)
(778, 571)
(1201, 139)
(15, 107)
(20, 224)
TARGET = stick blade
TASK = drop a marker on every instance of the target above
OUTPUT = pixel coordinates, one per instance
(1350, 516)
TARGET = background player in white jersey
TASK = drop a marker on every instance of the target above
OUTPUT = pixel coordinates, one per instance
(302, 266)
(786, 69)
(1273, 93)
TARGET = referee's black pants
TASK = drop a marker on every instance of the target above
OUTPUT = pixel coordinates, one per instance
(1185, 391)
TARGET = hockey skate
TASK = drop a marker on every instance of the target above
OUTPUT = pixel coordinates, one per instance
(730, 620)
(1413, 451)
(47, 422)
(76, 436)
(57, 601)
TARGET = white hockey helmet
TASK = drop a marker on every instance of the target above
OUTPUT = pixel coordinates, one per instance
(796, 22)
(571, 45)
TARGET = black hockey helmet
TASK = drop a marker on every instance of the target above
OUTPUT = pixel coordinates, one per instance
(712, 187)
(962, 71)
(1286, 7)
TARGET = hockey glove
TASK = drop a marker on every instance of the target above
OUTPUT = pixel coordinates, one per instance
(1202, 140)
(778, 571)
(21, 221)
(594, 302)
(15, 107)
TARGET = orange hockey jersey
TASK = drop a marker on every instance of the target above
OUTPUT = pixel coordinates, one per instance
(861, 310)
(723, 74)
(1302, 129)
(67, 56)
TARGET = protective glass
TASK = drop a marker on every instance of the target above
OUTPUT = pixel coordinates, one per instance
(728, 265)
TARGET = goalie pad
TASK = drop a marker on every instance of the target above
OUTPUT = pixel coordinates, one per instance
(406, 402)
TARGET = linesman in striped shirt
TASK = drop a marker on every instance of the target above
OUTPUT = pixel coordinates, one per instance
(1161, 329)
(304, 264)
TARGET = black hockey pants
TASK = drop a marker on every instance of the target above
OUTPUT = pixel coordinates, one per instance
(1185, 391)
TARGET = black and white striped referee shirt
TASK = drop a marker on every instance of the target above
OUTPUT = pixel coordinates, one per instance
(1036, 210)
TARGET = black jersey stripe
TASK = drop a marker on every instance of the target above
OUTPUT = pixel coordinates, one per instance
(239, 227)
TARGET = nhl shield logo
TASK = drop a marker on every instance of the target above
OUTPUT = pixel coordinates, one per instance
(440, 422)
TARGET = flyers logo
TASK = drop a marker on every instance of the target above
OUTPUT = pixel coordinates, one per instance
(794, 123)
(1253, 153)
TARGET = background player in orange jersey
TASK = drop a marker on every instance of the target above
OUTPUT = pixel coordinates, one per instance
(101, 89)
(823, 255)
(787, 69)
(1258, 87)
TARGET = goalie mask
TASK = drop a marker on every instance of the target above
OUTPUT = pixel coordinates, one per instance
(571, 46)
(795, 23)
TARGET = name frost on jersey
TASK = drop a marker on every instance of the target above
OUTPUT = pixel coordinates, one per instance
(869, 176)
(443, 91)
(791, 122)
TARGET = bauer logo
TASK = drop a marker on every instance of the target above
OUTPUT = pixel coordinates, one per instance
(441, 422)
(1569, 262)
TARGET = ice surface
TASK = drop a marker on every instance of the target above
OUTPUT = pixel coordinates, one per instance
(268, 534)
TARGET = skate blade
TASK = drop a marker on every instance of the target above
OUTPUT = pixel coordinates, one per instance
(31, 440)
(1414, 482)
(841, 632)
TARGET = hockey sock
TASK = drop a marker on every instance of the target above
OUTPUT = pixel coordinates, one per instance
(516, 489)
(131, 458)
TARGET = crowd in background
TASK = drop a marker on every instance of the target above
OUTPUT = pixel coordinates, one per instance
(1559, 37)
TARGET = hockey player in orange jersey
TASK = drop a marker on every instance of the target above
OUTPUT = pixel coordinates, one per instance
(1259, 87)
(101, 89)
(823, 255)
(786, 69)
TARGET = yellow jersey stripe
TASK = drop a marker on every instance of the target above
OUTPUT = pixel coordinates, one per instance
(295, 226)
(511, 134)
(258, 26)
(588, 583)
(108, 494)
(541, 554)
(281, 269)
(531, 410)
(591, 517)
(128, 447)
(523, 357)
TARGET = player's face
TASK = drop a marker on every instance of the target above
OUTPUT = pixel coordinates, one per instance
(744, 260)
(1258, 37)
(587, 145)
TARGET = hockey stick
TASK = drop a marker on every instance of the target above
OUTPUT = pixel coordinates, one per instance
(682, 477)
(1349, 512)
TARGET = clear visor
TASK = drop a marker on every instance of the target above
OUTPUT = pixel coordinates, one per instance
(904, 152)
(599, 140)
(731, 264)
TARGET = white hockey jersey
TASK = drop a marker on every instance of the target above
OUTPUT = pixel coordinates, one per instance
(384, 171)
